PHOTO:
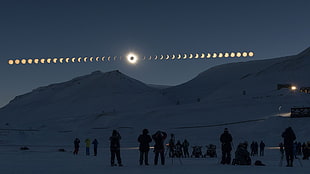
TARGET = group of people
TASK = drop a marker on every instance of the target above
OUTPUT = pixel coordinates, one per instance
(254, 148)
(179, 150)
(87, 143)
(242, 156)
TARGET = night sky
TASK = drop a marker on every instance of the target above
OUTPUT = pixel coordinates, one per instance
(69, 28)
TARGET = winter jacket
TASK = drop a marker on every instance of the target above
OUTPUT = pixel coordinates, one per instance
(77, 143)
(87, 142)
(226, 140)
(289, 138)
(115, 141)
(159, 138)
(144, 140)
(242, 155)
(95, 143)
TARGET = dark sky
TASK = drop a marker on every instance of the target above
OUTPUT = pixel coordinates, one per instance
(68, 28)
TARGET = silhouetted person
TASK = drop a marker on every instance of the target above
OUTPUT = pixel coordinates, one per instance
(144, 139)
(226, 140)
(242, 156)
(76, 146)
(95, 143)
(159, 148)
(115, 148)
(261, 148)
(87, 145)
(185, 145)
(172, 146)
(289, 138)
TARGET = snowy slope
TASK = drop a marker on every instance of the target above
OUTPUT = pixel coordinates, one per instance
(95, 94)
(254, 77)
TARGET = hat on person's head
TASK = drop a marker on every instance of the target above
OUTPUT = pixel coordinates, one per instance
(225, 130)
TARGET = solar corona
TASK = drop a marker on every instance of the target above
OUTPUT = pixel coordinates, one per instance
(132, 58)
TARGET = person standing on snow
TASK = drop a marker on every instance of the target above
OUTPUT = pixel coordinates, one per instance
(115, 148)
(144, 139)
(159, 148)
(76, 146)
(261, 148)
(185, 145)
(87, 145)
(289, 138)
(226, 140)
(95, 143)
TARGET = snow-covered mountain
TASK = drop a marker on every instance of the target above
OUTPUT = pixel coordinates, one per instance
(242, 96)
(94, 94)
(252, 77)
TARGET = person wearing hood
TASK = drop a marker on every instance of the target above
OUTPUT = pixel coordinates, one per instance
(226, 140)
(144, 139)
(115, 148)
(289, 137)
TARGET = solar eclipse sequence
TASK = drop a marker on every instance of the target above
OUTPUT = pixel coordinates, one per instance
(131, 58)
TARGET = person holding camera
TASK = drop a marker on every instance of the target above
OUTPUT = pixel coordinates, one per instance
(159, 148)
(115, 148)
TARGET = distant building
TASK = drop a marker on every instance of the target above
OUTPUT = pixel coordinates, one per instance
(305, 90)
(280, 86)
(300, 112)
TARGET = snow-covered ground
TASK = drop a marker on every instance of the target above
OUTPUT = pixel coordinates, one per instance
(47, 160)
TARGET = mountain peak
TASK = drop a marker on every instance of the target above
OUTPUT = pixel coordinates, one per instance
(305, 52)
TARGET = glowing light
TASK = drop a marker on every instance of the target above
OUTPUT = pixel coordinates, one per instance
(202, 55)
(161, 57)
(79, 59)
(73, 59)
(226, 55)
(167, 57)
(85, 59)
(238, 54)
(109, 58)
(220, 55)
(91, 59)
(17, 61)
(29, 61)
(156, 57)
(196, 56)
(42, 61)
(36, 61)
(179, 56)
(49, 60)
(61, 59)
(150, 58)
(251, 54)
(102, 58)
(24, 61)
(191, 56)
(173, 57)
(232, 54)
(214, 55)
(11, 62)
(55, 60)
(132, 58)
(97, 59)
(293, 88)
(67, 60)
(244, 54)
(185, 56)
(208, 55)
